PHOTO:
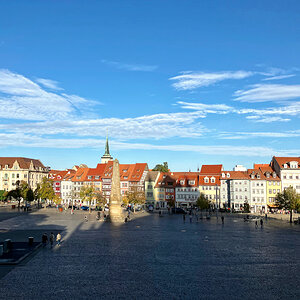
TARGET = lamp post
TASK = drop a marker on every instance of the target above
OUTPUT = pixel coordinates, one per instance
(217, 200)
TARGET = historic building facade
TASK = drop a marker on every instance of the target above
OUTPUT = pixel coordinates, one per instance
(17, 169)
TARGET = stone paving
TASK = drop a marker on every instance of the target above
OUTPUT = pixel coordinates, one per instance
(157, 257)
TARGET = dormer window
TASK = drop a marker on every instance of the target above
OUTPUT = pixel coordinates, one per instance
(258, 176)
(268, 175)
(90, 177)
(191, 182)
(223, 175)
(182, 182)
(294, 164)
(6, 167)
(206, 180)
(228, 175)
(285, 166)
(212, 180)
(252, 176)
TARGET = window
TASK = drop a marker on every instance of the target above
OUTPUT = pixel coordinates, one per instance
(291, 177)
(284, 177)
(270, 191)
(212, 180)
(191, 182)
(149, 186)
(206, 180)
(12, 175)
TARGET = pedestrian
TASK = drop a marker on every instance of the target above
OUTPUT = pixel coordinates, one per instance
(85, 218)
(191, 218)
(183, 218)
(44, 239)
(58, 239)
(266, 217)
(256, 225)
(261, 223)
(222, 220)
(51, 239)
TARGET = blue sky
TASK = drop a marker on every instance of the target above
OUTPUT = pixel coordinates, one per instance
(188, 82)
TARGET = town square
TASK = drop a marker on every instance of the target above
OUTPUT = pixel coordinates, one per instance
(149, 149)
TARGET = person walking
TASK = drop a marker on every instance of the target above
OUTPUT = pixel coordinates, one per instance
(191, 217)
(58, 239)
(44, 239)
(222, 218)
(256, 224)
(183, 218)
(261, 223)
(51, 239)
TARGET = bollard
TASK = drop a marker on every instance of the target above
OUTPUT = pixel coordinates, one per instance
(7, 246)
(1, 250)
(30, 240)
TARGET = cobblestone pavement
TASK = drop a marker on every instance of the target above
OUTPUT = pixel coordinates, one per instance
(157, 257)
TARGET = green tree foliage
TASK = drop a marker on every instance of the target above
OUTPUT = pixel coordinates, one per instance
(87, 193)
(46, 191)
(2, 195)
(100, 198)
(246, 207)
(161, 168)
(19, 192)
(288, 200)
(202, 202)
(134, 196)
(29, 195)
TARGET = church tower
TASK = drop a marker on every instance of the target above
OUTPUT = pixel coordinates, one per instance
(106, 156)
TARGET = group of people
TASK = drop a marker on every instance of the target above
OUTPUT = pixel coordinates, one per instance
(51, 239)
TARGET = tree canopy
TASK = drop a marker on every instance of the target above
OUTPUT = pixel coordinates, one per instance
(45, 190)
(288, 200)
(161, 167)
(202, 202)
(134, 196)
(87, 192)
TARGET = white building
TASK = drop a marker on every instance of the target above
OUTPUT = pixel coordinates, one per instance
(288, 169)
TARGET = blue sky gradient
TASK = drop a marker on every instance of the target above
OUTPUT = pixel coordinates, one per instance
(188, 82)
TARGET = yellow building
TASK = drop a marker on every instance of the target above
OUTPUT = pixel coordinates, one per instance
(273, 185)
(17, 169)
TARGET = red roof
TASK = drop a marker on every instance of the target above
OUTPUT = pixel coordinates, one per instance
(166, 180)
(202, 182)
(234, 175)
(211, 169)
(257, 166)
(286, 160)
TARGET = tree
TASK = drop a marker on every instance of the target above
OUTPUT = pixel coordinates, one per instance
(100, 198)
(161, 168)
(2, 195)
(36, 194)
(87, 193)
(246, 207)
(46, 189)
(57, 200)
(288, 200)
(202, 202)
(134, 196)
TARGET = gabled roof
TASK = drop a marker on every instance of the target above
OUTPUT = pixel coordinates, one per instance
(211, 169)
(256, 173)
(80, 175)
(269, 173)
(238, 175)
(202, 182)
(286, 160)
(183, 179)
(23, 162)
(151, 176)
(165, 180)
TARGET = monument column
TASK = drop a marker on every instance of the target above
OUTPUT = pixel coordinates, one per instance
(115, 210)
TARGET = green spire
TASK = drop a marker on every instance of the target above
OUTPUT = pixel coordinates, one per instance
(106, 147)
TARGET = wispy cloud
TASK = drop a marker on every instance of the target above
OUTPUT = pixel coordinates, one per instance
(130, 67)
(258, 119)
(21, 98)
(157, 126)
(192, 80)
(48, 83)
(23, 140)
(268, 92)
(247, 135)
(279, 77)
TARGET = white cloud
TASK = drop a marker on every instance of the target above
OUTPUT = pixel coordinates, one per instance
(268, 92)
(247, 135)
(21, 98)
(48, 83)
(192, 80)
(21, 140)
(206, 108)
(279, 77)
(130, 67)
(258, 119)
(155, 126)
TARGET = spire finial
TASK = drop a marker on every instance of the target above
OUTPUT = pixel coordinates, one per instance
(107, 146)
